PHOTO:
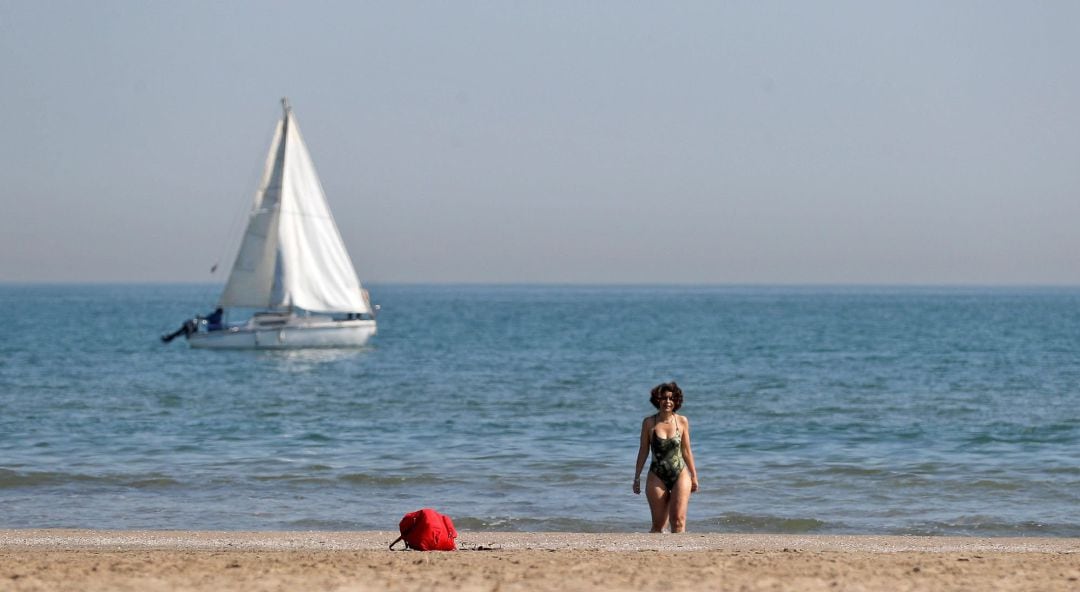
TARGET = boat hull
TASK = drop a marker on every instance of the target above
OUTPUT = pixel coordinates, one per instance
(293, 335)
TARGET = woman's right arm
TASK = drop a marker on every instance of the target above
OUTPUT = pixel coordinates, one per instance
(643, 453)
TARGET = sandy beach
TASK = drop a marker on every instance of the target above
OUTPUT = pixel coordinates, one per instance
(187, 560)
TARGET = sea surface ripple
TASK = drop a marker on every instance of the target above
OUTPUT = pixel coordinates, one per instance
(939, 411)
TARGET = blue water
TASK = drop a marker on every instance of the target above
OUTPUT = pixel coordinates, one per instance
(816, 410)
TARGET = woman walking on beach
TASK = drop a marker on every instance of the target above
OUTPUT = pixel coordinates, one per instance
(672, 476)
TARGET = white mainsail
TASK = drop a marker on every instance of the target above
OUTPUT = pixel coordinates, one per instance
(292, 255)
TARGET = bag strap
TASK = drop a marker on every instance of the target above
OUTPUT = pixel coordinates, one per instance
(403, 535)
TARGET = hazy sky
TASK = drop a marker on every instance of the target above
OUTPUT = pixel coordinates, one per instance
(692, 142)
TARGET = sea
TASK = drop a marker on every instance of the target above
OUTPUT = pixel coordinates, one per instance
(813, 409)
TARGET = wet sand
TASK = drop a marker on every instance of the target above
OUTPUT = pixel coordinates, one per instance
(186, 560)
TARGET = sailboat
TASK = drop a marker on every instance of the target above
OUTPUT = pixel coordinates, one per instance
(292, 278)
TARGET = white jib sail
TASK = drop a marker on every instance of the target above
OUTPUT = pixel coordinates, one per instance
(252, 277)
(292, 255)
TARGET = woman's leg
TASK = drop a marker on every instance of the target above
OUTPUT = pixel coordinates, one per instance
(678, 500)
(658, 501)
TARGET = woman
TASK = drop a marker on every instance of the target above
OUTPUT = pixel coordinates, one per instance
(672, 476)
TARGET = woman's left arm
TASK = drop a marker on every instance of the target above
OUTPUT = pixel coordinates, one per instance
(688, 455)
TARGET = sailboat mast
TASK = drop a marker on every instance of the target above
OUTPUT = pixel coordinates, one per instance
(286, 108)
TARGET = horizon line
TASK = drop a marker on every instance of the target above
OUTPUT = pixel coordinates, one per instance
(576, 284)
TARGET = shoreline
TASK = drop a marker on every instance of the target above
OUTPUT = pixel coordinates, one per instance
(98, 560)
(374, 540)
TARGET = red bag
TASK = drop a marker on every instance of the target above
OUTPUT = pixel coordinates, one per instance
(427, 530)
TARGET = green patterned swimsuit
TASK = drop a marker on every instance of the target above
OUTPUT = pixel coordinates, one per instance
(667, 463)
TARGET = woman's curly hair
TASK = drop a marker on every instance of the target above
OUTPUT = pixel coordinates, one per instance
(666, 387)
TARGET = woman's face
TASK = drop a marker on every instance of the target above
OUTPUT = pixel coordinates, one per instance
(667, 401)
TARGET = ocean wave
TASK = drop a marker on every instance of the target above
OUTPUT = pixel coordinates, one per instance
(522, 524)
(741, 523)
(351, 479)
(12, 479)
(995, 485)
(1004, 433)
(767, 524)
(978, 525)
(16, 479)
(295, 479)
(318, 524)
(852, 471)
(153, 482)
(394, 480)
